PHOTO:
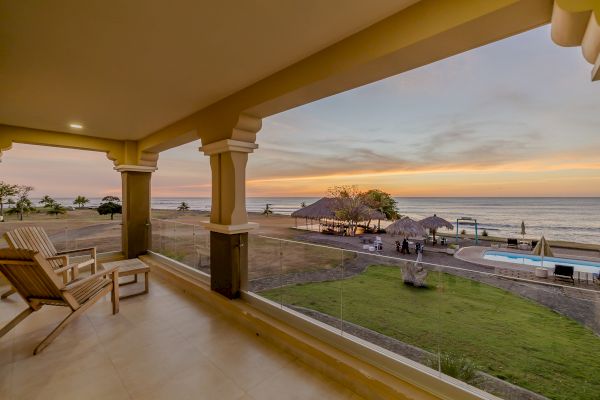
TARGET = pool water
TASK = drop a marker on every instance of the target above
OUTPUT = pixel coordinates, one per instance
(536, 261)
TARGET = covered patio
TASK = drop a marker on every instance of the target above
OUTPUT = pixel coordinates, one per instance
(132, 82)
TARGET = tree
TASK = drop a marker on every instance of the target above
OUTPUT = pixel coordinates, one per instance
(6, 192)
(349, 205)
(183, 206)
(110, 206)
(47, 201)
(23, 204)
(56, 209)
(382, 202)
(80, 201)
(267, 211)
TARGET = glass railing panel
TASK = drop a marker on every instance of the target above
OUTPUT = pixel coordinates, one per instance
(515, 335)
(264, 265)
(188, 244)
(393, 303)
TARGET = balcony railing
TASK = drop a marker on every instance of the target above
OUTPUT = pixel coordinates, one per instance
(512, 337)
(188, 244)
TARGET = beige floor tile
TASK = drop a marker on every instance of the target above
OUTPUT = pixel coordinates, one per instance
(5, 381)
(247, 360)
(299, 382)
(100, 382)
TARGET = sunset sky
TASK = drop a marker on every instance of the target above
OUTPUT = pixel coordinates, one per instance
(515, 118)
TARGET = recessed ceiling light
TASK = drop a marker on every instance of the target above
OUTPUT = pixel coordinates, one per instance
(76, 126)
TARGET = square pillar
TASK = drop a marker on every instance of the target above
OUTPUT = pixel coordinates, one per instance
(136, 233)
(228, 219)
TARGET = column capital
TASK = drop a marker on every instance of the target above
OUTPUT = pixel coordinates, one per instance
(228, 145)
(135, 168)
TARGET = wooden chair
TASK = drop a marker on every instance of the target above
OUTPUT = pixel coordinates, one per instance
(35, 238)
(34, 279)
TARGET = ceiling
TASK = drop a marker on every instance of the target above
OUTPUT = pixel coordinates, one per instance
(124, 69)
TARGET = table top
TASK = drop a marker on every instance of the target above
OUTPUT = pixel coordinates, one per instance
(134, 265)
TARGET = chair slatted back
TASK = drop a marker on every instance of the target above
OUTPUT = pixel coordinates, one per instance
(30, 274)
(33, 238)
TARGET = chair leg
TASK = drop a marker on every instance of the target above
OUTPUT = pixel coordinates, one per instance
(44, 343)
(7, 293)
(114, 294)
(15, 321)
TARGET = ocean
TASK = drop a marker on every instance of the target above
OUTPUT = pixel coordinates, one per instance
(558, 218)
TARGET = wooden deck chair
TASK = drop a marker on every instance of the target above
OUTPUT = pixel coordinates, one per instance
(35, 238)
(34, 279)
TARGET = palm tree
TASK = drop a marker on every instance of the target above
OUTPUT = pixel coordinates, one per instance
(47, 201)
(56, 209)
(267, 211)
(81, 201)
(183, 206)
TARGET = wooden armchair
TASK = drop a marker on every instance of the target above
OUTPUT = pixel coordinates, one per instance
(35, 238)
(34, 279)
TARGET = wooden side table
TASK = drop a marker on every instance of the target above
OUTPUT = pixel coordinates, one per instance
(133, 267)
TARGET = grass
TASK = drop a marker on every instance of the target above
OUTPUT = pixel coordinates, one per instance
(503, 334)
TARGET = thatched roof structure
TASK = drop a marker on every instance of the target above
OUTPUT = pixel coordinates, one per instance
(406, 227)
(435, 222)
(323, 208)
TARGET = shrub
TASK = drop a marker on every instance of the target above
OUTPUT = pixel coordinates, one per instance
(456, 366)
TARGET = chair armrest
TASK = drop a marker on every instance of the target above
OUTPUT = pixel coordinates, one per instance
(66, 268)
(90, 249)
(97, 275)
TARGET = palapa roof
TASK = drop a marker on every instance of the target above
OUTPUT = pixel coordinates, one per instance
(406, 227)
(435, 222)
(323, 208)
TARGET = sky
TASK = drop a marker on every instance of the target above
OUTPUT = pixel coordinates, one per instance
(518, 117)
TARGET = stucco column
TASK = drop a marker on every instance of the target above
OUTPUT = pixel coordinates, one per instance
(228, 219)
(136, 231)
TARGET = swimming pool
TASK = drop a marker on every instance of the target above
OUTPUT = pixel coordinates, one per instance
(536, 261)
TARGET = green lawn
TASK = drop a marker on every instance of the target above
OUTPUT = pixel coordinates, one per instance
(505, 335)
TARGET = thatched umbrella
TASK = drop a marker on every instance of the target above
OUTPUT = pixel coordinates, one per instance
(406, 227)
(434, 223)
(543, 249)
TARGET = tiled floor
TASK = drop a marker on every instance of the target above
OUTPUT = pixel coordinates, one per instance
(165, 345)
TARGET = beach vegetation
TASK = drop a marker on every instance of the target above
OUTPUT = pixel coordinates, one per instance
(47, 201)
(454, 365)
(81, 201)
(349, 206)
(110, 205)
(23, 204)
(183, 206)
(7, 190)
(502, 334)
(56, 209)
(382, 202)
(267, 211)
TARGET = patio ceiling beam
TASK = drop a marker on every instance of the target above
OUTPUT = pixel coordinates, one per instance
(425, 32)
(121, 152)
